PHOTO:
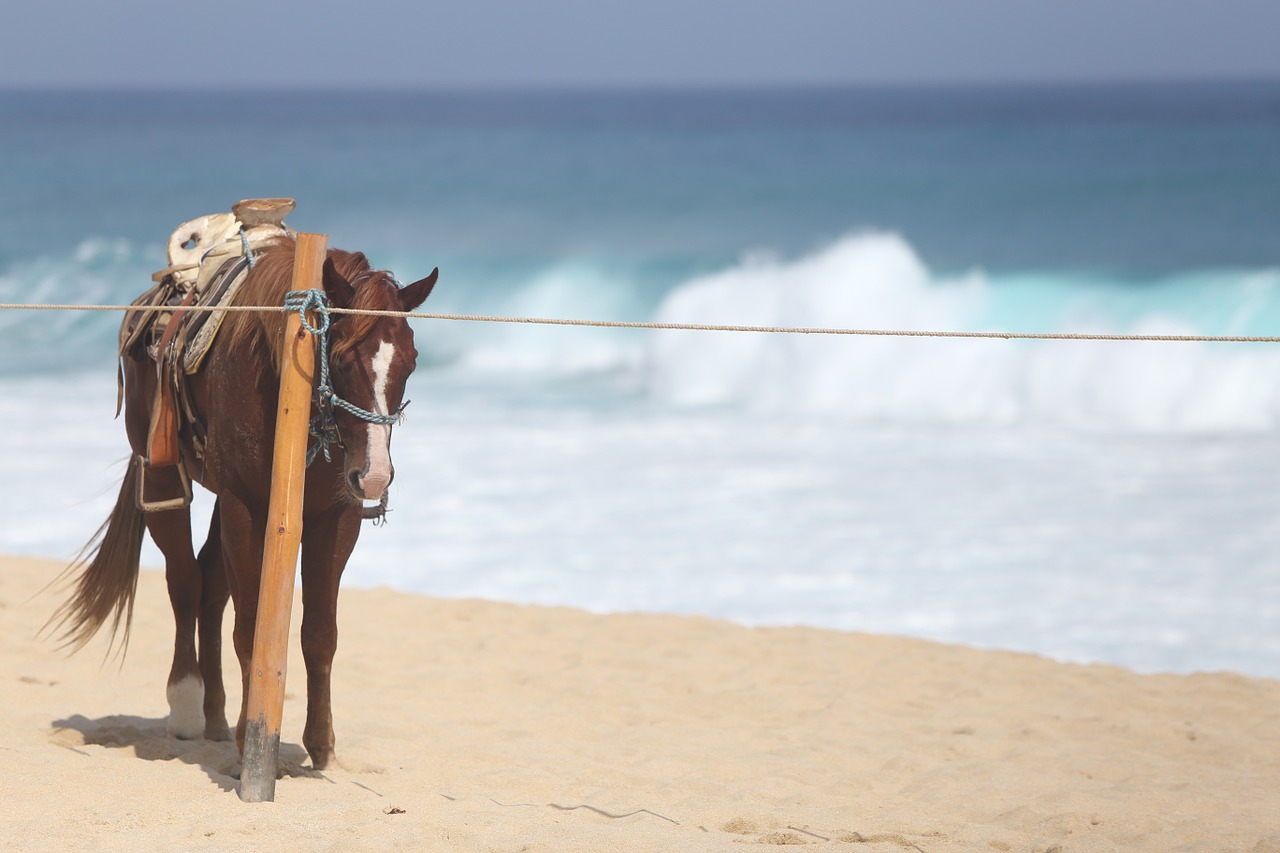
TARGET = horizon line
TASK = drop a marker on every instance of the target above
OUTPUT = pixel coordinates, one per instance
(671, 87)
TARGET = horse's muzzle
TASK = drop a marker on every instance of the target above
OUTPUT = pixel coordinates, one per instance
(369, 486)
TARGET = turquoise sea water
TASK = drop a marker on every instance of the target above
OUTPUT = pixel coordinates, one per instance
(1089, 501)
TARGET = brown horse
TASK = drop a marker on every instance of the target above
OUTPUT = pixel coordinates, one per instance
(235, 395)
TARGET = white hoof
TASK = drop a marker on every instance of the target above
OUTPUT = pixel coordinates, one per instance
(186, 708)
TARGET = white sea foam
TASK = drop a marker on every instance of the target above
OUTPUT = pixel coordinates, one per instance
(877, 281)
(1152, 552)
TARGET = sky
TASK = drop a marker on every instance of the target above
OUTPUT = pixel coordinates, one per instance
(602, 43)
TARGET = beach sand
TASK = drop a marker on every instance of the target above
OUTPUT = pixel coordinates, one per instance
(469, 725)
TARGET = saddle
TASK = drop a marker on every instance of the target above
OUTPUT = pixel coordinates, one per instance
(209, 257)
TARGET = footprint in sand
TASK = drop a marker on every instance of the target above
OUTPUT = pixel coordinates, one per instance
(746, 826)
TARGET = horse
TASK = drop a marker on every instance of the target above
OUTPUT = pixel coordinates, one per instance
(235, 395)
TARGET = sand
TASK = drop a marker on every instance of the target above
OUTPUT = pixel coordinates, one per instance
(470, 725)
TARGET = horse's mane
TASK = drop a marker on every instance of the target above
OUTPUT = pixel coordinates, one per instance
(271, 278)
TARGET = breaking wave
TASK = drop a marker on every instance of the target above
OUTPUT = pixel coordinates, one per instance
(877, 281)
(870, 280)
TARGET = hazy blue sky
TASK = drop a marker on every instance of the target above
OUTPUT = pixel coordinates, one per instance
(150, 43)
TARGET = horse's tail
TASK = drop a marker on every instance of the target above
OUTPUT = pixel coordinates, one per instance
(107, 569)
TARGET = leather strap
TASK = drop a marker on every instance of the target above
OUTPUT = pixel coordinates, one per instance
(162, 439)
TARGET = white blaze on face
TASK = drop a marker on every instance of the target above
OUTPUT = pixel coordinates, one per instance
(377, 473)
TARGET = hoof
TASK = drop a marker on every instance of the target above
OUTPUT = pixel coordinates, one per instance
(323, 760)
(186, 709)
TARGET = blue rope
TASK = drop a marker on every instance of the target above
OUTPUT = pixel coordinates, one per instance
(248, 250)
(323, 426)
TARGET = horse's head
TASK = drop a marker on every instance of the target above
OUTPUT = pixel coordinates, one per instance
(370, 361)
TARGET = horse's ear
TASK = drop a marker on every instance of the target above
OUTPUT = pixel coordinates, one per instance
(340, 291)
(413, 295)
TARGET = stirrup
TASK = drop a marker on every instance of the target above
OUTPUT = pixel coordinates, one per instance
(171, 503)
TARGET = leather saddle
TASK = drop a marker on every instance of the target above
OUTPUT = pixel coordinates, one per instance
(208, 259)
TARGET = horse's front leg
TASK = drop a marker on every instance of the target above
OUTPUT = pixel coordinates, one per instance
(327, 540)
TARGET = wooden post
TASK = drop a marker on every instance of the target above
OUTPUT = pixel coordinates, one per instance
(284, 536)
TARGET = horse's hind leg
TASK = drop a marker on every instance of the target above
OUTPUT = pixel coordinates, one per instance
(213, 603)
(243, 533)
(171, 530)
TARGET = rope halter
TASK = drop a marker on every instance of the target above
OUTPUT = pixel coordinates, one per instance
(323, 426)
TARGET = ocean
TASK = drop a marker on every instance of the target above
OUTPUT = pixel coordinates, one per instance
(1110, 502)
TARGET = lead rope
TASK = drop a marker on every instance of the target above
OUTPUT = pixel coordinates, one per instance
(323, 427)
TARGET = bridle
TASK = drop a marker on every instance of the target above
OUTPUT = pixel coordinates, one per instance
(324, 426)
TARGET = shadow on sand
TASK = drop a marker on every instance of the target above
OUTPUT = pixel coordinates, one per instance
(149, 741)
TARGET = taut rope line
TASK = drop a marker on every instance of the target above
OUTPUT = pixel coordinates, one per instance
(694, 327)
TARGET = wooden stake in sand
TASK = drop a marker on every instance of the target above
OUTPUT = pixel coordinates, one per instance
(284, 536)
